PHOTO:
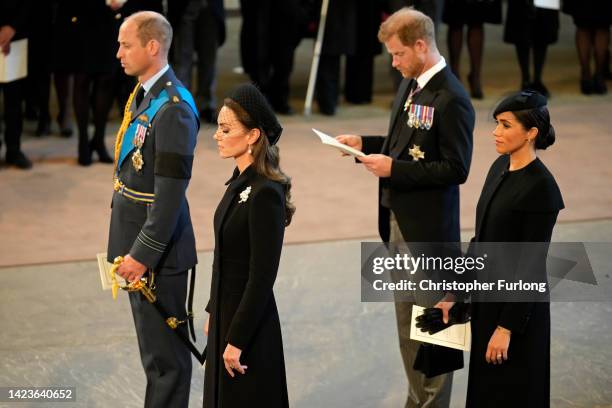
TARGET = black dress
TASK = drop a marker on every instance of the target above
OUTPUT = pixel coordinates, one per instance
(514, 206)
(589, 13)
(249, 228)
(528, 25)
(472, 12)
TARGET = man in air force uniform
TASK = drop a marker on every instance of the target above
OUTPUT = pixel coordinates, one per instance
(150, 222)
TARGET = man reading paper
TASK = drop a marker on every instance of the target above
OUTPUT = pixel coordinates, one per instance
(420, 163)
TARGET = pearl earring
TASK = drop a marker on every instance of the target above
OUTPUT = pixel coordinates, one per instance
(250, 151)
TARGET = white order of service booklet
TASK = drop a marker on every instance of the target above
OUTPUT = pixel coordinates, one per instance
(330, 141)
(14, 66)
(457, 336)
(548, 4)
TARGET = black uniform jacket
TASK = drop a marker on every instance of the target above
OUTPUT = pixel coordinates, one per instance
(424, 194)
(159, 235)
(249, 229)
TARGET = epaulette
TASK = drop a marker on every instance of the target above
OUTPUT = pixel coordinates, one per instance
(173, 92)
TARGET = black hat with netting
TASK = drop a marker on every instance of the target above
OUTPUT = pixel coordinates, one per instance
(256, 105)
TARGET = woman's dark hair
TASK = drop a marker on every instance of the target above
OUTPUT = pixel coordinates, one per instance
(538, 118)
(266, 156)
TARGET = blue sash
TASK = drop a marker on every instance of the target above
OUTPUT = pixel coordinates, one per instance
(155, 105)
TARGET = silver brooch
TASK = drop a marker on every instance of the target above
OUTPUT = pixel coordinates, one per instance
(245, 195)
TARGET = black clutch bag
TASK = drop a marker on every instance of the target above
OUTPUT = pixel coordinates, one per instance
(433, 360)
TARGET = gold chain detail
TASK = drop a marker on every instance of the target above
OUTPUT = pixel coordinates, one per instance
(173, 322)
(127, 118)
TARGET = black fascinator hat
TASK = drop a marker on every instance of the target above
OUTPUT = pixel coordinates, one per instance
(256, 105)
(523, 100)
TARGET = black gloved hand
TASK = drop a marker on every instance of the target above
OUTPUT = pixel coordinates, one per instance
(431, 321)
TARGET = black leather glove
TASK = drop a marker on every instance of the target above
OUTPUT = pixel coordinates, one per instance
(431, 320)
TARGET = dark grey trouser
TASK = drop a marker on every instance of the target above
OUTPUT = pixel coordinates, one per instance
(165, 359)
(423, 392)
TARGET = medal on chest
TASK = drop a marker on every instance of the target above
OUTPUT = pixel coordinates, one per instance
(420, 116)
(140, 135)
(416, 152)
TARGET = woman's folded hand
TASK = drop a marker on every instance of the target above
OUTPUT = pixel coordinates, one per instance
(231, 360)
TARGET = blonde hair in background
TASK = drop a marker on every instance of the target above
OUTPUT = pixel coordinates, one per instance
(410, 25)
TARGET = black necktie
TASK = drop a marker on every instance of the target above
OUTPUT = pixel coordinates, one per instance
(140, 96)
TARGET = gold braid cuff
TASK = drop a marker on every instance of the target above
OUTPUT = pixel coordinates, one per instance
(127, 118)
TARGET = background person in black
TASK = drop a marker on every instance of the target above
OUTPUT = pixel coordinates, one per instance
(269, 34)
(473, 14)
(245, 365)
(13, 24)
(86, 46)
(419, 169)
(520, 201)
(40, 66)
(199, 26)
(592, 19)
(531, 29)
(350, 30)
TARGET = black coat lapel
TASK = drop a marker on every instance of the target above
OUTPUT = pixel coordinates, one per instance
(236, 184)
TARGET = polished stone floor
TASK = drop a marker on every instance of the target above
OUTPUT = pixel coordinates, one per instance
(60, 329)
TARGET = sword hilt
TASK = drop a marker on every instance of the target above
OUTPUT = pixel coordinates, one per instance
(142, 285)
(116, 263)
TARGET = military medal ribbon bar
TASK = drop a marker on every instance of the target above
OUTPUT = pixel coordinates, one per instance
(420, 116)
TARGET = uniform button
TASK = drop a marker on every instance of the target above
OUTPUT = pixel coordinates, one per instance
(168, 83)
(74, 19)
(118, 16)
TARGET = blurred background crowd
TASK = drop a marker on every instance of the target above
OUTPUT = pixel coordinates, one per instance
(73, 71)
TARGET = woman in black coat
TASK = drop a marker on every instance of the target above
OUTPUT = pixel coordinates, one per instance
(520, 201)
(245, 365)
